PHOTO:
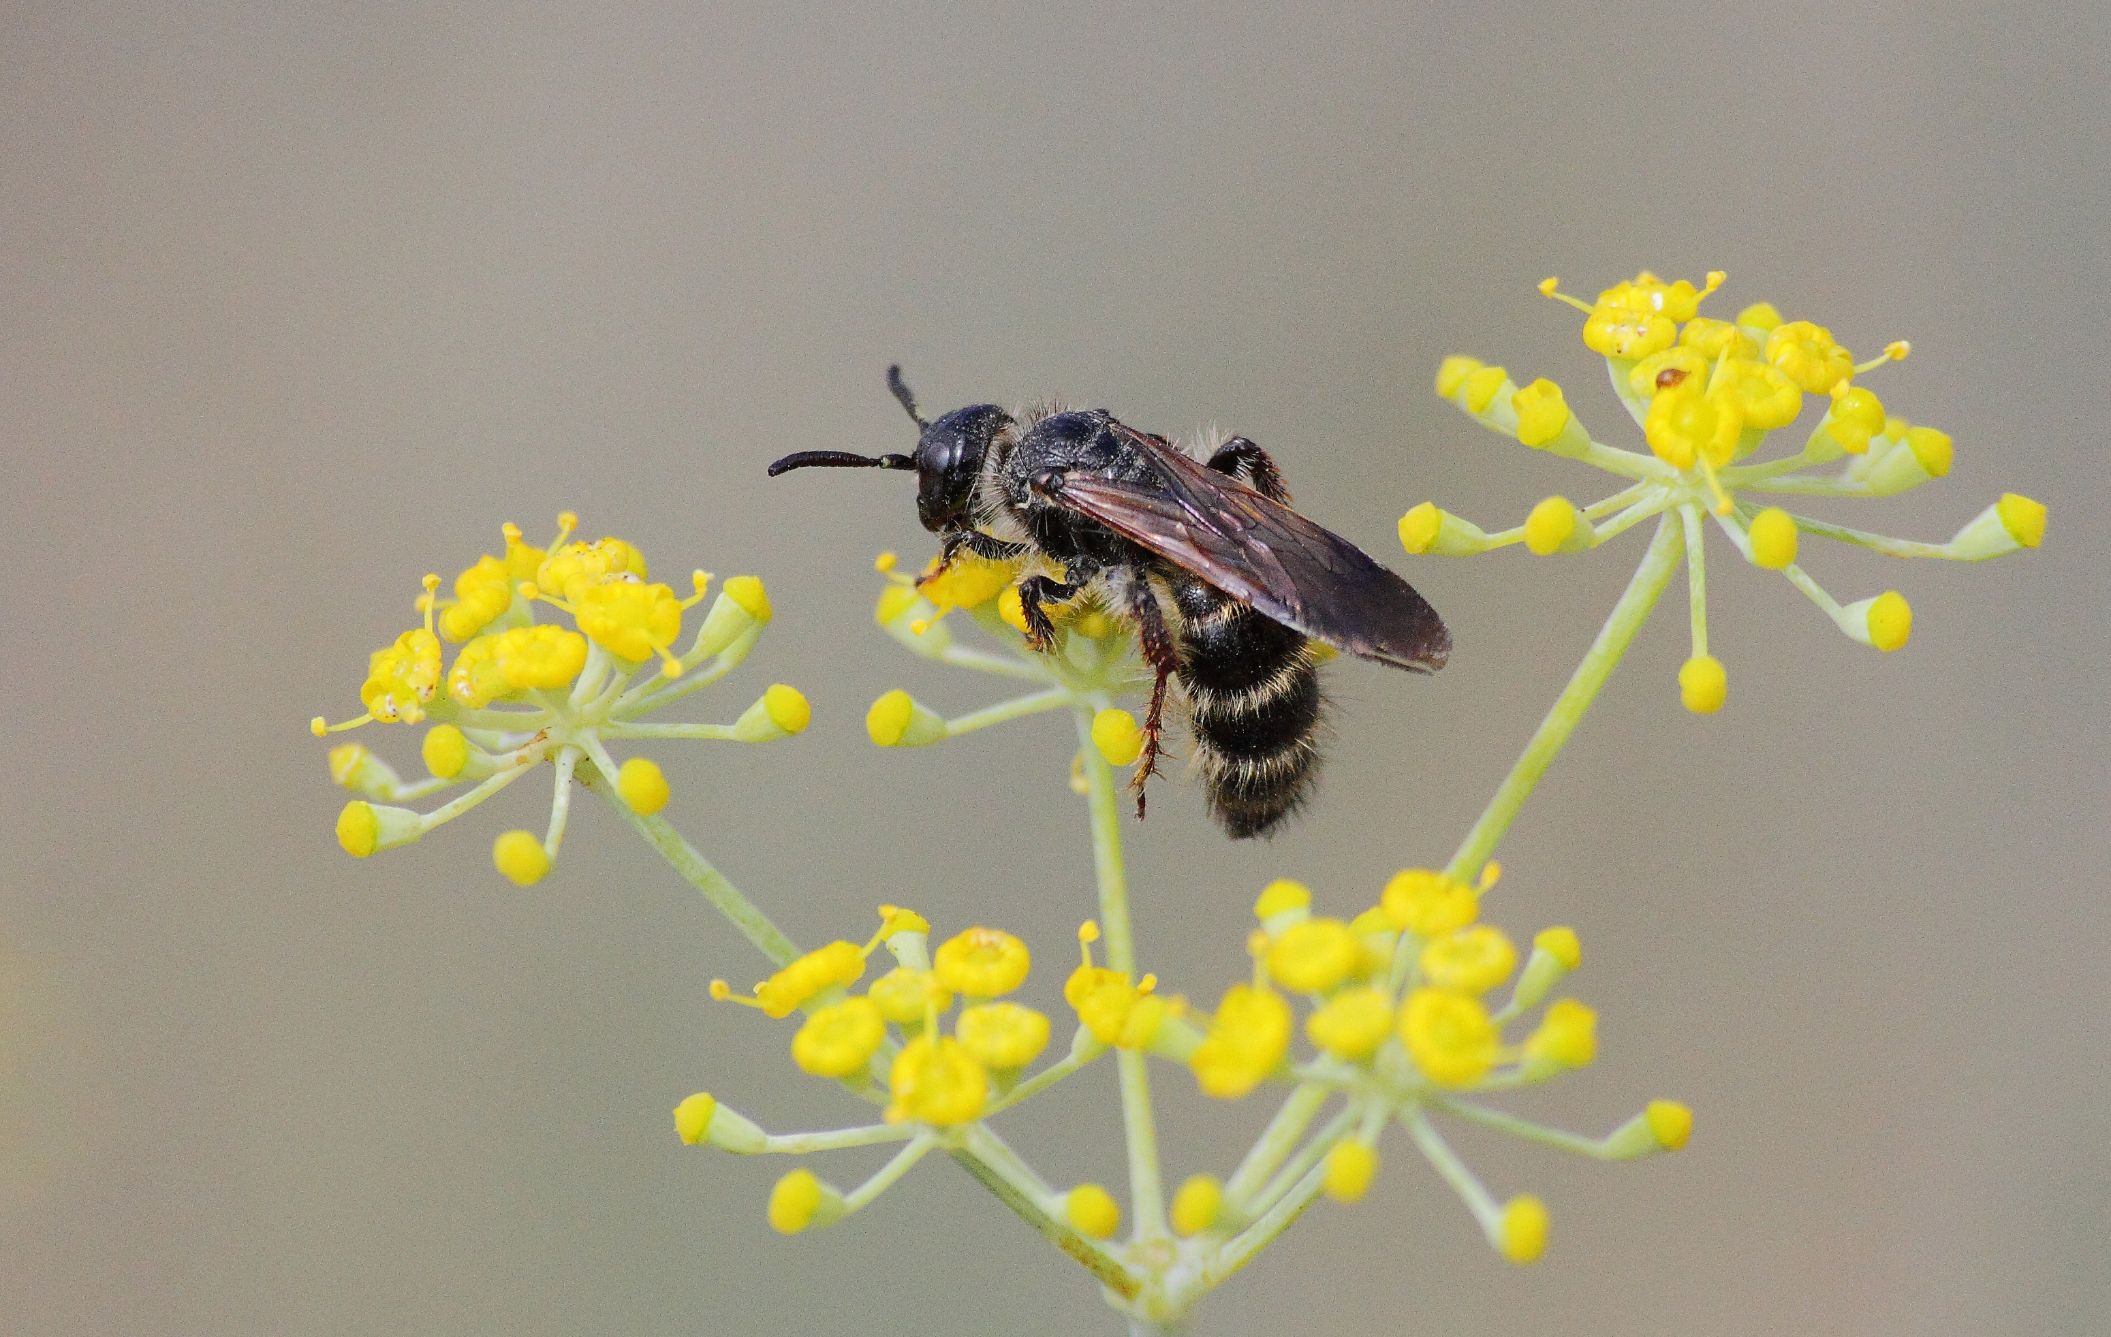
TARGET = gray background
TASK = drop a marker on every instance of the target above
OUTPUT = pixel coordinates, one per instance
(300, 301)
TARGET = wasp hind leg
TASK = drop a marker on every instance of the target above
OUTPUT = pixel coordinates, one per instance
(1155, 639)
(1241, 456)
(1035, 591)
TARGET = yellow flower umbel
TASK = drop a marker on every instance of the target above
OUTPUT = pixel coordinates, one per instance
(1405, 1027)
(1707, 395)
(890, 1046)
(1093, 661)
(518, 692)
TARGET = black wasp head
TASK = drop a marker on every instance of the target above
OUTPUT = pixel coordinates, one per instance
(948, 457)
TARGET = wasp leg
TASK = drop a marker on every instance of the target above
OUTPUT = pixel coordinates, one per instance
(974, 541)
(1156, 641)
(1240, 455)
(1033, 591)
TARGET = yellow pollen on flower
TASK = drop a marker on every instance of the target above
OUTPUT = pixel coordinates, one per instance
(906, 995)
(1105, 1001)
(1281, 897)
(982, 962)
(1117, 736)
(838, 1040)
(1670, 1122)
(900, 919)
(445, 751)
(1759, 316)
(481, 594)
(632, 620)
(1625, 332)
(1428, 903)
(1856, 416)
(1352, 1024)
(2023, 518)
(1452, 373)
(787, 708)
(885, 562)
(1712, 338)
(692, 1118)
(1471, 961)
(1247, 1039)
(1351, 1166)
(531, 658)
(1450, 1036)
(1685, 424)
(1196, 1204)
(1704, 684)
(348, 760)
(1002, 1036)
(1542, 412)
(1764, 396)
(1092, 1211)
(895, 600)
(1807, 355)
(748, 592)
(403, 676)
(791, 988)
(521, 857)
(1890, 621)
(794, 1202)
(358, 829)
(1553, 526)
(475, 680)
(1567, 1035)
(967, 582)
(1561, 943)
(1480, 387)
(935, 1080)
(1521, 1232)
(571, 567)
(1314, 956)
(1933, 449)
(1662, 370)
(1773, 538)
(642, 785)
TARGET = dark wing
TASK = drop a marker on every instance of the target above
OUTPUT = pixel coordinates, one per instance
(1265, 554)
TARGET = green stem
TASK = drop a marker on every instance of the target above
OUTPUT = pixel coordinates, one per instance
(1139, 1128)
(984, 1161)
(1606, 651)
(1018, 708)
(694, 868)
(1275, 1142)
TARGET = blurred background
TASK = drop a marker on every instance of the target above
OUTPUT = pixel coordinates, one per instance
(298, 302)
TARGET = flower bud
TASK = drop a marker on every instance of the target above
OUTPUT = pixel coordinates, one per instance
(365, 828)
(1663, 1126)
(800, 1201)
(900, 720)
(1425, 529)
(1885, 621)
(355, 767)
(779, 713)
(2009, 525)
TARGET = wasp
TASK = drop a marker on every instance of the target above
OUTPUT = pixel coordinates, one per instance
(1228, 588)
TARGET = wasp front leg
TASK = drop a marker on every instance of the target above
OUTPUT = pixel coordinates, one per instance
(972, 541)
(1155, 639)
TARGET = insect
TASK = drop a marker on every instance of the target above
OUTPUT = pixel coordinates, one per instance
(1226, 585)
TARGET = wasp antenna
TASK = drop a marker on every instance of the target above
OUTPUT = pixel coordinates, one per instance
(905, 395)
(839, 459)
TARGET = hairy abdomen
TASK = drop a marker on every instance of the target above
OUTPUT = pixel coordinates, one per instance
(1254, 701)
